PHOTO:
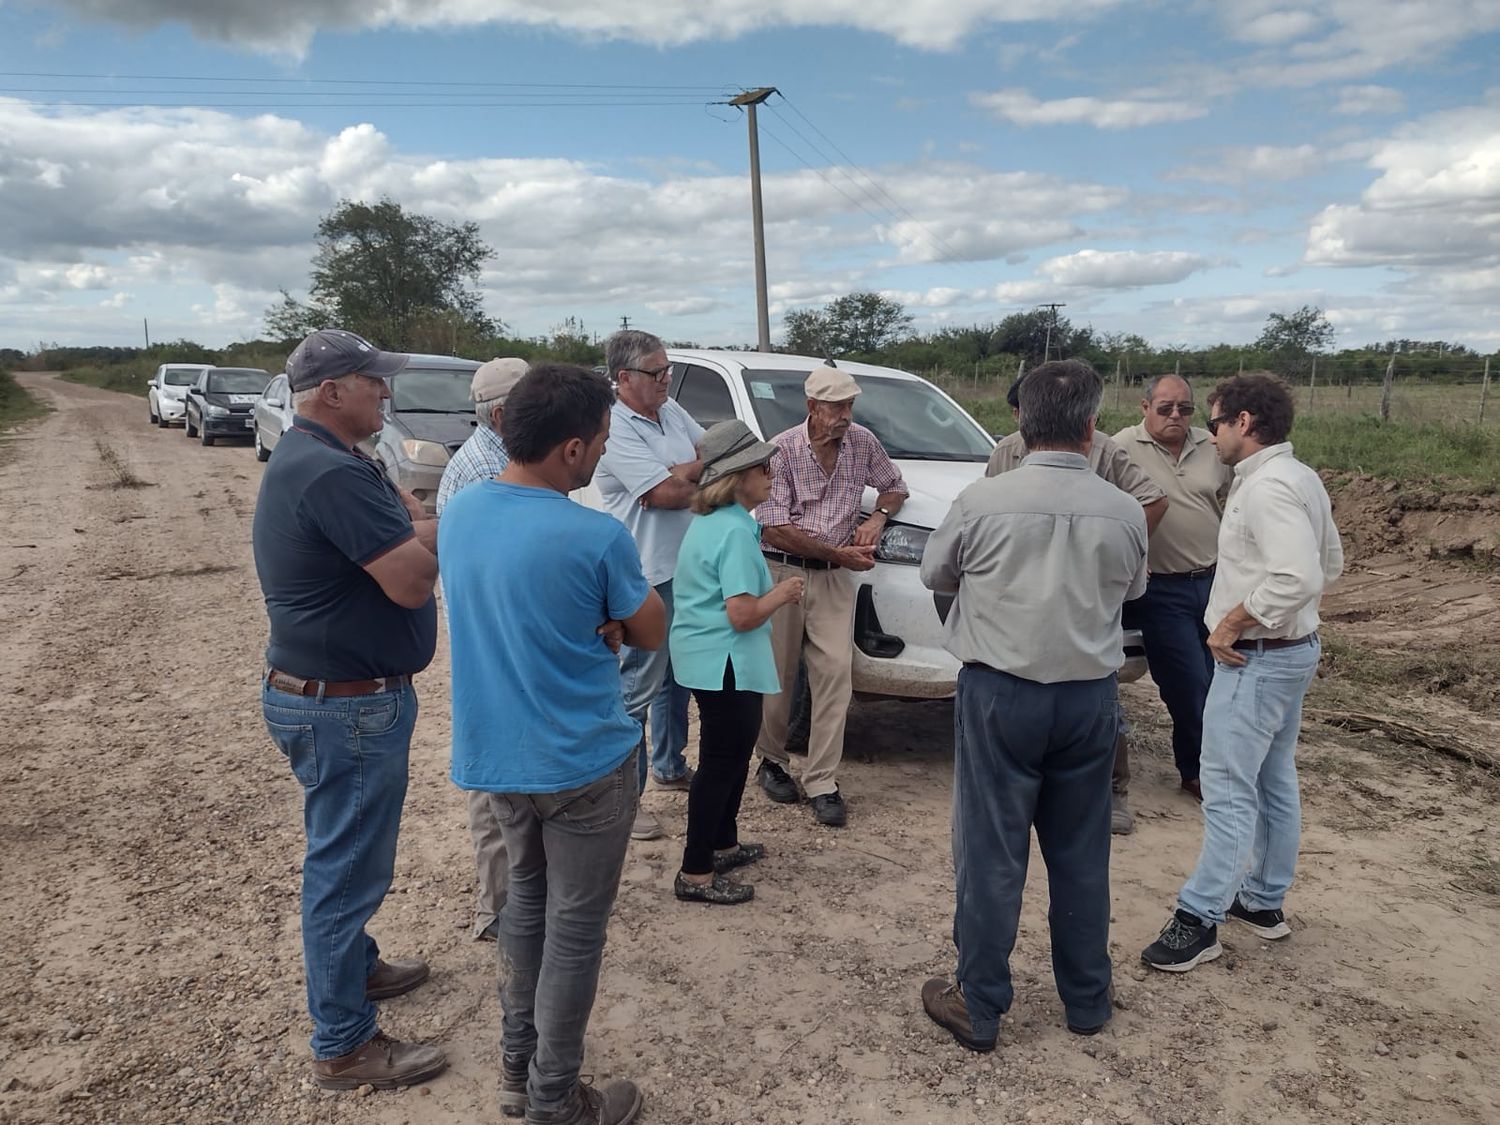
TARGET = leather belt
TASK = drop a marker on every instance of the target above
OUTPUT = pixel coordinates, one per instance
(1201, 572)
(1261, 644)
(336, 689)
(798, 560)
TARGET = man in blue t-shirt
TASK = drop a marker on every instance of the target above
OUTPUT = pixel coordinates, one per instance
(347, 563)
(541, 593)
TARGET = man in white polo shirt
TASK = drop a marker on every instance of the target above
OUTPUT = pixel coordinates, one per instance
(647, 478)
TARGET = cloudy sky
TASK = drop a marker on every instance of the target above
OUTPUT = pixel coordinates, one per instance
(1176, 168)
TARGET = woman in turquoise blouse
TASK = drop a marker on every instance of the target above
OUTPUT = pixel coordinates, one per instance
(721, 650)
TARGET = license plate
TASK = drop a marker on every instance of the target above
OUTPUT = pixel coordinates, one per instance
(249, 423)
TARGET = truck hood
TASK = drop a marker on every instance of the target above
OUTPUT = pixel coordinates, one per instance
(445, 429)
(934, 486)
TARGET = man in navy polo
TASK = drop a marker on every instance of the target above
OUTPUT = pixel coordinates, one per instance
(347, 564)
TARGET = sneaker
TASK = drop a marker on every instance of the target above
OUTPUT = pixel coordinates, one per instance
(646, 826)
(395, 978)
(719, 891)
(738, 856)
(829, 809)
(1121, 819)
(681, 784)
(777, 783)
(945, 1006)
(513, 1075)
(616, 1103)
(1185, 943)
(1268, 924)
(381, 1062)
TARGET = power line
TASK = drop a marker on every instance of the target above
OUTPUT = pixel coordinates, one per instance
(363, 105)
(356, 81)
(695, 99)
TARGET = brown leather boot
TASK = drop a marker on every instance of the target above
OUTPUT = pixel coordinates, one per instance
(945, 1006)
(393, 978)
(615, 1103)
(381, 1062)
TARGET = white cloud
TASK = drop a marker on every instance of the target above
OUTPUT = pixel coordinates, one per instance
(1357, 100)
(1020, 108)
(289, 25)
(1255, 163)
(1275, 26)
(1122, 269)
(117, 301)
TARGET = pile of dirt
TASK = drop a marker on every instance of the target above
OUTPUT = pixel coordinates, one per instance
(1418, 518)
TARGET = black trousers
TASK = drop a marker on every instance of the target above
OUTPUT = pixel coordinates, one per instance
(728, 725)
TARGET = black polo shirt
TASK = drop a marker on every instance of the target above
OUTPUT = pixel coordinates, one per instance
(325, 511)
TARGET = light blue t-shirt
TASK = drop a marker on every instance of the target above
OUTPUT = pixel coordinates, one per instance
(720, 558)
(529, 576)
(637, 459)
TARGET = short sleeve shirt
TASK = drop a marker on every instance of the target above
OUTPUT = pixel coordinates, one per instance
(324, 512)
(529, 576)
(1106, 458)
(720, 559)
(819, 505)
(482, 455)
(637, 458)
(1196, 483)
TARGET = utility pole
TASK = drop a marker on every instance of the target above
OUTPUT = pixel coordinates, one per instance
(748, 101)
(1051, 324)
(624, 324)
(146, 327)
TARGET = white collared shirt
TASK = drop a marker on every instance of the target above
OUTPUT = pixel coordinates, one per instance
(1278, 546)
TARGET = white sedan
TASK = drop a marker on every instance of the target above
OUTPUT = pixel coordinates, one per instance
(167, 397)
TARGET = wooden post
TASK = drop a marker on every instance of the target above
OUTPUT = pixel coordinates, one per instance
(1178, 369)
(1117, 382)
(1385, 391)
(1484, 389)
(1312, 384)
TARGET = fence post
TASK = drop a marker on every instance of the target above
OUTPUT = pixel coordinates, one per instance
(1484, 389)
(1385, 391)
(1117, 382)
(1312, 384)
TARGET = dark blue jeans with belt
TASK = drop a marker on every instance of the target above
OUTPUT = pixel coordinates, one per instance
(1170, 617)
(1032, 754)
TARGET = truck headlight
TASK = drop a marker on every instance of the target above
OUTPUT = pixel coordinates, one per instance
(214, 411)
(902, 543)
(428, 453)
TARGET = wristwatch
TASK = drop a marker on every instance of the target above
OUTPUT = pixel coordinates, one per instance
(886, 512)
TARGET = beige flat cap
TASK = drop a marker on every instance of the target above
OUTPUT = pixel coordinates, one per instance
(829, 384)
(496, 379)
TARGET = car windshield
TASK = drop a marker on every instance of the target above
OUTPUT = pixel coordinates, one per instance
(433, 390)
(182, 376)
(911, 419)
(241, 381)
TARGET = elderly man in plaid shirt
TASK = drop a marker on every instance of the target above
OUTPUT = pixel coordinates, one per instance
(812, 531)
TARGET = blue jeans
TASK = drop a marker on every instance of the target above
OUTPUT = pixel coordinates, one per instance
(648, 687)
(1042, 754)
(350, 755)
(1170, 617)
(566, 853)
(1252, 811)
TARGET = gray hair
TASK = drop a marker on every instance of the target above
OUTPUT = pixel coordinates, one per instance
(303, 397)
(483, 409)
(1058, 401)
(628, 348)
(1149, 388)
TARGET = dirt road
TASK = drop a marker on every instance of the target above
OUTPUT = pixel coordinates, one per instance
(150, 843)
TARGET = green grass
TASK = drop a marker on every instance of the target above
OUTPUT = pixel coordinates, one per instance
(131, 378)
(16, 403)
(1460, 454)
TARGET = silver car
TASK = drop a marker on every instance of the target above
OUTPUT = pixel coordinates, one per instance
(428, 416)
(273, 416)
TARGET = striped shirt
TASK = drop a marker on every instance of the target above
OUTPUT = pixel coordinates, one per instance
(816, 504)
(481, 457)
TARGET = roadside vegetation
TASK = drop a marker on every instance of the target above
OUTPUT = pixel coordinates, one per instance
(16, 403)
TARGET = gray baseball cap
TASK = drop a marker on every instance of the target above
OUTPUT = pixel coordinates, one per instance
(331, 353)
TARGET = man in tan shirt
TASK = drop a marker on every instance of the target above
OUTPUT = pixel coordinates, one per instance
(1110, 462)
(1181, 459)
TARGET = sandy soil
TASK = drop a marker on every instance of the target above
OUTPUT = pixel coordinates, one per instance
(150, 842)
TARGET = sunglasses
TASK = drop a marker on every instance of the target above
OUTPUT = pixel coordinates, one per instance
(658, 374)
(1181, 409)
(1214, 423)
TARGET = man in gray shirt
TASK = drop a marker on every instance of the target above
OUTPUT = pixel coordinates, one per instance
(1040, 560)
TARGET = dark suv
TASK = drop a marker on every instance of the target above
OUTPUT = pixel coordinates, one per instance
(222, 401)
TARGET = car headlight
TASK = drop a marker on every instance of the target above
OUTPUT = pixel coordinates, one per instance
(424, 453)
(214, 411)
(902, 543)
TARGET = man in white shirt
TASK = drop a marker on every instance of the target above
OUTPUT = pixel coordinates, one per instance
(647, 478)
(1278, 551)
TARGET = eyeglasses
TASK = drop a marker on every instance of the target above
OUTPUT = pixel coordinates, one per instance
(1214, 423)
(660, 373)
(1181, 409)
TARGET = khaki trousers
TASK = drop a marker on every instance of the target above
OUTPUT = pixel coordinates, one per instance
(489, 858)
(819, 632)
